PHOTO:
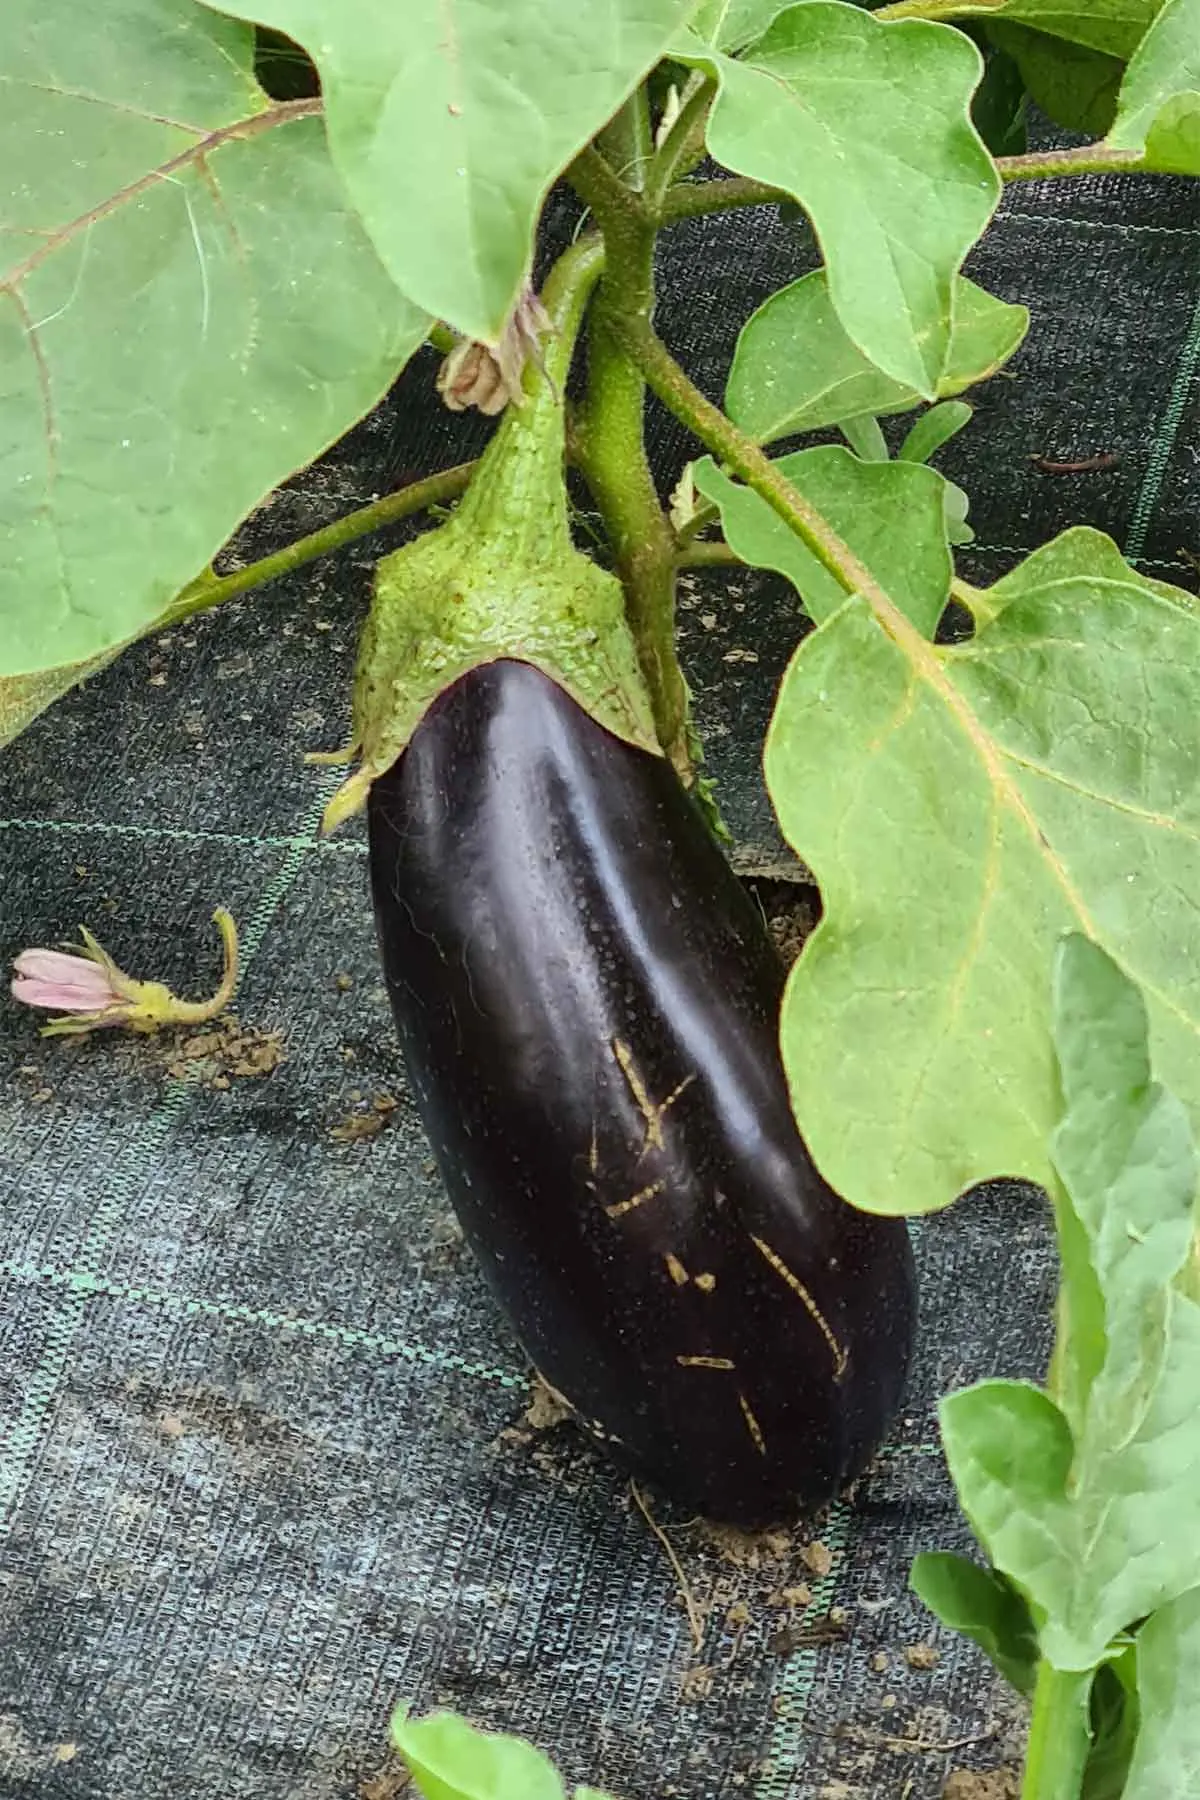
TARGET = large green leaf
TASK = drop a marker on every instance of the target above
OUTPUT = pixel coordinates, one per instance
(892, 514)
(1074, 85)
(1101, 1525)
(1166, 1757)
(796, 369)
(188, 312)
(450, 119)
(896, 206)
(1113, 26)
(1158, 109)
(961, 807)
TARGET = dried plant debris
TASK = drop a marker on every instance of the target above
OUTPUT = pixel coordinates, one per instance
(225, 1051)
(367, 1117)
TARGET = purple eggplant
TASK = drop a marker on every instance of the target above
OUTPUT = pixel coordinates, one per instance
(588, 1004)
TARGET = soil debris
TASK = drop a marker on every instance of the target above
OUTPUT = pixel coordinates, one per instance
(387, 1784)
(921, 1656)
(817, 1558)
(224, 1050)
(365, 1119)
(983, 1784)
(697, 1682)
(547, 1408)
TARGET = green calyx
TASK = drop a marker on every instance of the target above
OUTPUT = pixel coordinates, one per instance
(502, 578)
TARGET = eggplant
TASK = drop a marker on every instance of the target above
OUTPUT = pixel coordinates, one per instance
(588, 1000)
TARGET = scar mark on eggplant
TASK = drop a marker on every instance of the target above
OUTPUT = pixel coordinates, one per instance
(752, 1424)
(840, 1358)
(705, 1362)
(652, 1114)
(706, 1283)
(621, 1207)
(676, 1270)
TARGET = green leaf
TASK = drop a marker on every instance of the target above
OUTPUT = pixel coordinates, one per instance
(192, 314)
(23, 698)
(962, 806)
(449, 120)
(730, 25)
(1073, 85)
(1114, 1722)
(451, 1760)
(984, 1606)
(795, 369)
(1166, 1757)
(933, 429)
(1113, 26)
(1101, 1526)
(958, 505)
(999, 106)
(1080, 553)
(1158, 110)
(896, 208)
(864, 437)
(891, 515)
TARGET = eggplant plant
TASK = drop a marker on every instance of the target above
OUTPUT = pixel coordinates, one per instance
(685, 1176)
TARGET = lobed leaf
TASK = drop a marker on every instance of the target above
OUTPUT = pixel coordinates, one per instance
(961, 807)
(1158, 108)
(891, 514)
(1100, 1525)
(449, 120)
(188, 312)
(897, 208)
(796, 369)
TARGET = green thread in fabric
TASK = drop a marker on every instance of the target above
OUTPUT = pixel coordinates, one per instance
(82, 1283)
(1164, 443)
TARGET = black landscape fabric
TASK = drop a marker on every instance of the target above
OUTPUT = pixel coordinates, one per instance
(264, 1462)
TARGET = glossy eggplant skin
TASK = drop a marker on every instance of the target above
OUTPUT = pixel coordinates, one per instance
(587, 1001)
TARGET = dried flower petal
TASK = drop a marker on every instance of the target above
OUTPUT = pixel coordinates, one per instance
(489, 377)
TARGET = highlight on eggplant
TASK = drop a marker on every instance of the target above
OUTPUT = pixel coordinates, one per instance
(587, 1000)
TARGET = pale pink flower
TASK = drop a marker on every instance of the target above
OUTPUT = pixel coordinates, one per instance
(87, 989)
(61, 981)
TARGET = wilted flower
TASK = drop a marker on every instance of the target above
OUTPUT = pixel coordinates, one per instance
(487, 377)
(91, 992)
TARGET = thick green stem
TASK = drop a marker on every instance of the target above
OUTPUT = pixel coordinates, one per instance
(209, 591)
(612, 452)
(742, 455)
(626, 142)
(1088, 159)
(1059, 1735)
(693, 199)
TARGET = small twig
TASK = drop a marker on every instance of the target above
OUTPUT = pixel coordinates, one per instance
(1086, 465)
(907, 1746)
(685, 1588)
